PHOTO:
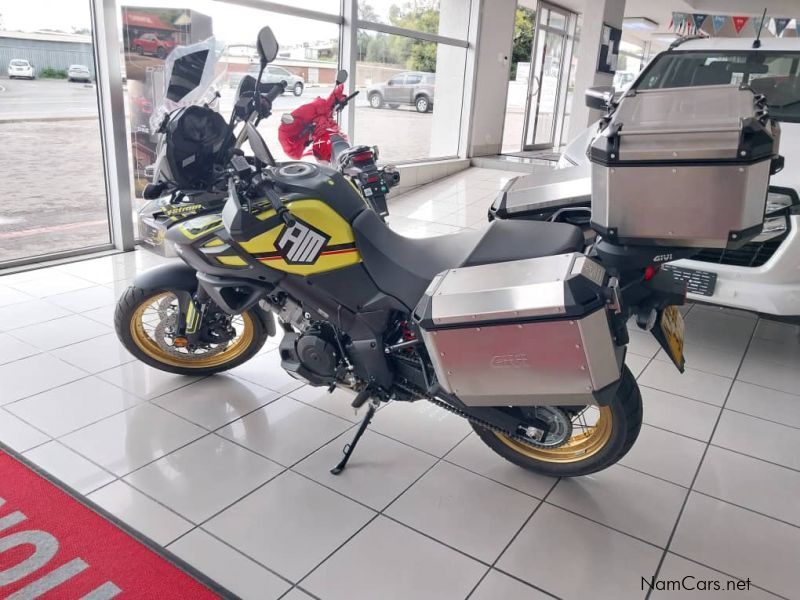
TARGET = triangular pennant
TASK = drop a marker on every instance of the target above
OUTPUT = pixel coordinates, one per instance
(757, 24)
(678, 20)
(780, 25)
(739, 23)
(718, 22)
(699, 19)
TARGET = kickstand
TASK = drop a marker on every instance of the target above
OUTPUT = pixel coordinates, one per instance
(349, 448)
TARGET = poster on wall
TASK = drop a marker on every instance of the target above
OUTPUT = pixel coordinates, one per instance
(148, 36)
(609, 49)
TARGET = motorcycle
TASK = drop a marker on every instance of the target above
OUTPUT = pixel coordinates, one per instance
(513, 327)
(315, 124)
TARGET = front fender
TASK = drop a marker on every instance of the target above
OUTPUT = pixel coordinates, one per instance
(174, 276)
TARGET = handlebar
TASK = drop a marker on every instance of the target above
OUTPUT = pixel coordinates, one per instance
(275, 91)
(342, 103)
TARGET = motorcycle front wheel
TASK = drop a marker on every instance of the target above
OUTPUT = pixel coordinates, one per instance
(145, 320)
(598, 440)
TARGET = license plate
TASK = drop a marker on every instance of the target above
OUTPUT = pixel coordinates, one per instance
(669, 331)
(697, 282)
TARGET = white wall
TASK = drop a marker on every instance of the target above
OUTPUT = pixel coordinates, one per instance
(493, 59)
(595, 14)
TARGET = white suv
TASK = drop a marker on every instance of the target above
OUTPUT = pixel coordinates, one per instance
(763, 276)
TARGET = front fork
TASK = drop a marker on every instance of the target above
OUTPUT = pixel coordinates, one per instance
(191, 313)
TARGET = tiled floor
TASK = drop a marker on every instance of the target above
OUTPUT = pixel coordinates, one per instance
(231, 472)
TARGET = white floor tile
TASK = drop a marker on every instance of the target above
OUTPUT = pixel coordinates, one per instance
(697, 385)
(739, 542)
(17, 434)
(9, 295)
(778, 376)
(336, 403)
(69, 407)
(50, 285)
(708, 359)
(285, 431)
(145, 381)
(476, 456)
(421, 425)
(140, 512)
(765, 403)
(84, 299)
(665, 454)
(676, 568)
(411, 566)
(29, 376)
(216, 401)
(290, 524)
(785, 353)
(12, 349)
(751, 483)
(30, 312)
(231, 569)
(496, 585)
(547, 551)
(636, 363)
(60, 332)
(632, 502)
(679, 414)
(763, 439)
(131, 439)
(95, 355)
(74, 470)
(459, 508)
(201, 479)
(379, 471)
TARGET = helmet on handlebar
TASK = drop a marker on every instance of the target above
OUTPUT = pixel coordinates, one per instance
(197, 140)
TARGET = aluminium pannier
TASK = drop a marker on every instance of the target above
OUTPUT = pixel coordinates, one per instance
(526, 332)
(685, 167)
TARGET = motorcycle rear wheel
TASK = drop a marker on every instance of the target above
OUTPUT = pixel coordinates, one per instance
(140, 323)
(589, 449)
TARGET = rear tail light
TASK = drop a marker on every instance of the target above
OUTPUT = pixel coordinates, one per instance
(363, 156)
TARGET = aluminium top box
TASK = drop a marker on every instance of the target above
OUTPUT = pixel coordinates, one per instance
(523, 333)
(683, 167)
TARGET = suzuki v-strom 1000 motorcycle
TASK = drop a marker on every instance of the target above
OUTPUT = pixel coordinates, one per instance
(314, 124)
(512, 327)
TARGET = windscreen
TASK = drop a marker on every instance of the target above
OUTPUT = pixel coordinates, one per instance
(191, 77)
(774, 74)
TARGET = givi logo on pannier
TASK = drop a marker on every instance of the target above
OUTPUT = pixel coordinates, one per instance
(301, 244)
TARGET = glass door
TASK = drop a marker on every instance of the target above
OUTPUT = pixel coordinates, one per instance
(545, 82)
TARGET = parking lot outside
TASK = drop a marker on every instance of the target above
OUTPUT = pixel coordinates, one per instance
(60, 119)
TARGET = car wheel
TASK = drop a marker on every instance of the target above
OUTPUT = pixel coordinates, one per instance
(376, 100)
(160, 52)
(298, 89)
(139, 50)
(422, 104)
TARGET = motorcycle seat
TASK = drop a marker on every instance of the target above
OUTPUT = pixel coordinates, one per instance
(403, 267)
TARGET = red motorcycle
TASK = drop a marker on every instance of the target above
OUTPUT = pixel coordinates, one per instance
(313, 130)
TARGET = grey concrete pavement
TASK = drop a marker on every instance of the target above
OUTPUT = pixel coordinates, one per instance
(22, 99)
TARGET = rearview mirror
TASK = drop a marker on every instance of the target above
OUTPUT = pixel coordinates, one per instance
(267, 46)
(341, 76)
(599, 97)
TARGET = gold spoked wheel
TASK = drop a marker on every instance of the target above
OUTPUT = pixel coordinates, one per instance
(589, 436)
(152, 330)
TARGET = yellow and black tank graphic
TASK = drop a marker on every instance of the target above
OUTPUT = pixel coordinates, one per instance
(319, 240)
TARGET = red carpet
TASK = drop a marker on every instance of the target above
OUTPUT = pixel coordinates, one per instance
(55, 545)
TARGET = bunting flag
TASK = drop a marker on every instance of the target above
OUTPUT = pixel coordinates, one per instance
(679, 21)
(718, 22)
(757, 21)
(780, 26)
(739, 23)
(699, 19)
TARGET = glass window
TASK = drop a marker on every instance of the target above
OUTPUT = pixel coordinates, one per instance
(308, 58)
(448, 18)
(53, 180)
(402, 81)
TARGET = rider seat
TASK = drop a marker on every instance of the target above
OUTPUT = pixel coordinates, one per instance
(403, 267)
